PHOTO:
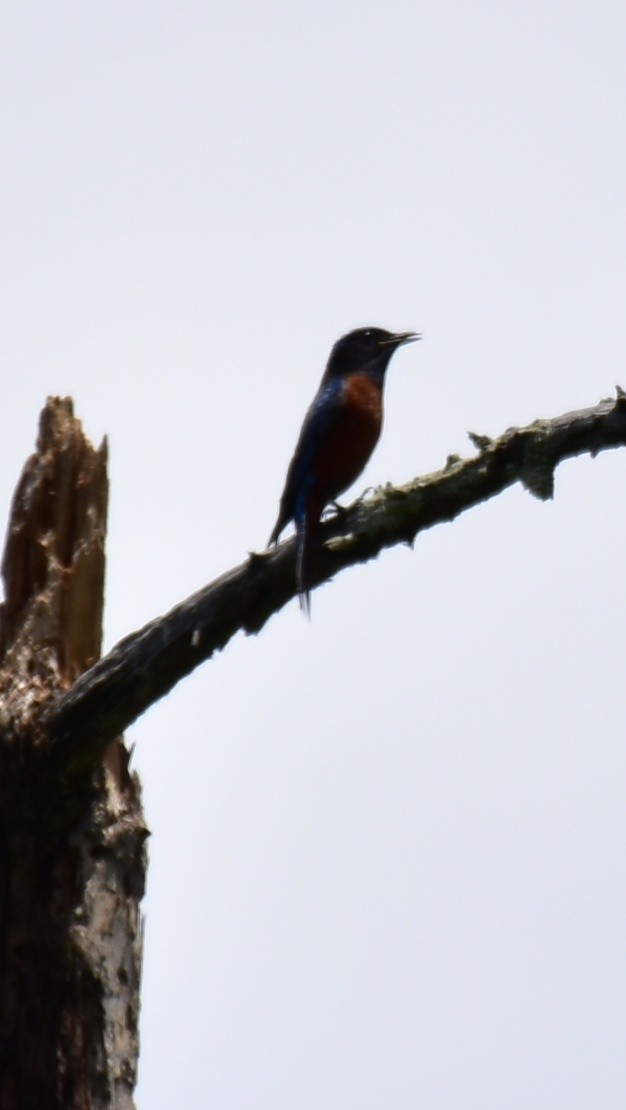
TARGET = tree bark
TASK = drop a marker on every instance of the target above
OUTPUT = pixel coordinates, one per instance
(72, 838)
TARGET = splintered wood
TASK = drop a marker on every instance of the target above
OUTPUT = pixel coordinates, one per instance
(53, 565)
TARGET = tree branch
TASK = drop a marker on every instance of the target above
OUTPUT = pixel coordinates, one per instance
(148, 663)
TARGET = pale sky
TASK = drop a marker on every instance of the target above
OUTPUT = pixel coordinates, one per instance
(388, 861)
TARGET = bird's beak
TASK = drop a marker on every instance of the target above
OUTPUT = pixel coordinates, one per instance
(401, 338)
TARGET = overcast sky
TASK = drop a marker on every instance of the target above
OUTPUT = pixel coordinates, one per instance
(388, 851)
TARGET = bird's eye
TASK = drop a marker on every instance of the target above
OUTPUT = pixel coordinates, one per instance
(367, 334)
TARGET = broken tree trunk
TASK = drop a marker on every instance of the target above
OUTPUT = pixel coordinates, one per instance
(72, 837)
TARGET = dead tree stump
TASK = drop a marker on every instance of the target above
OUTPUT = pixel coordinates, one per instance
(72, 837)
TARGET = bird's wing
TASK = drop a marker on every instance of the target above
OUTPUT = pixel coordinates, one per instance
(318, 422)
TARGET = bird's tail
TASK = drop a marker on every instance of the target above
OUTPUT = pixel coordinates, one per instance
(306, 525)
(302, 576)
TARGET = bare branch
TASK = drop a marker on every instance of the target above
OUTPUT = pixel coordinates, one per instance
(148, 663)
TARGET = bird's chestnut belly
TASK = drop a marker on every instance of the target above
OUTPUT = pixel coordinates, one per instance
(352, 437)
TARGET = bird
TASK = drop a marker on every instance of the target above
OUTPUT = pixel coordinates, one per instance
(340, 430)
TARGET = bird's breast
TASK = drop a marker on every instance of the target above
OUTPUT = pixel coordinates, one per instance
(352, 437)
(364, 398)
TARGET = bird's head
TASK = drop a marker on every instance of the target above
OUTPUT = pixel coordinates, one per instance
(366, 351)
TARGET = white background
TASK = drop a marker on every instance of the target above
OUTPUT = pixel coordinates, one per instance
(388, 851)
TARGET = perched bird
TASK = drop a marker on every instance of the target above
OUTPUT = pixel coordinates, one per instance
(339, 433)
